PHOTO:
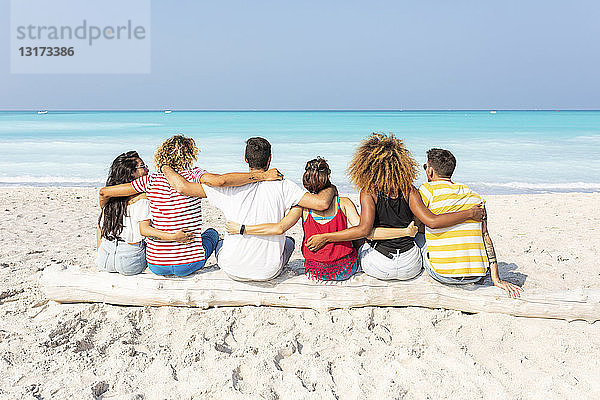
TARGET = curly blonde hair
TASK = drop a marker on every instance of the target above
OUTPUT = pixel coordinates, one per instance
(382, 165)
(178, 152)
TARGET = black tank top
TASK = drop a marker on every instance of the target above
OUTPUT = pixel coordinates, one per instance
(392, 213)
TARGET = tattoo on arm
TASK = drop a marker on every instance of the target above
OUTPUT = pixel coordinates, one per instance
(489, 246)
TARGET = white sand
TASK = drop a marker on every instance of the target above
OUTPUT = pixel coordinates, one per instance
(83, 350)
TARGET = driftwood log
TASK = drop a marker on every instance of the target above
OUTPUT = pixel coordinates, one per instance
(214, 289)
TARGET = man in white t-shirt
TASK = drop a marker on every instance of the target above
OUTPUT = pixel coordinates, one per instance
(251, 257)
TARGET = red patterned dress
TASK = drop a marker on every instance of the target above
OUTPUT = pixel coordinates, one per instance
(335, 261)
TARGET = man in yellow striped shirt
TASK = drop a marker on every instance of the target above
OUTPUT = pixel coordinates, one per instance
(461, 253)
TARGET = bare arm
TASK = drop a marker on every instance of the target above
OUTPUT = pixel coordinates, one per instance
(182, 185)
(278, 228)
(98, 237)
(442, 220)
(320, 201)
(125, 189)
(241, 178)
(149, 231)
(393, 233)
(511, 290)
(420, 225)
(187, 188)
(349, 210)
(353, 218)
(367, 217)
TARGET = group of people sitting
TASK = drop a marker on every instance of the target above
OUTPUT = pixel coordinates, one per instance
(155, 220)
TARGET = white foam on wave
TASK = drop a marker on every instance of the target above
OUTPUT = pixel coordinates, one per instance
(28, 126)
(27, 179)
(65, 145)
(572, 186)
(586, 138)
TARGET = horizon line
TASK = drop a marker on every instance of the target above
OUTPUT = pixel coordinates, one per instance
(292, 110)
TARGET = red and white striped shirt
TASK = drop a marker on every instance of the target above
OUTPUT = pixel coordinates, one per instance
(171, 212)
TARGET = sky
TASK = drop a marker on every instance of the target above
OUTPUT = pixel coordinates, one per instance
(341, 54)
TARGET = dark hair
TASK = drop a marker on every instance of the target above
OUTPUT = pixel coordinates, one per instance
(316, 175)
(442, 162)
(258, 151)
(121, 171)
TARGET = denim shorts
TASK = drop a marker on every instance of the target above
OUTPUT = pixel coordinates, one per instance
(121, 257)
(210, 237)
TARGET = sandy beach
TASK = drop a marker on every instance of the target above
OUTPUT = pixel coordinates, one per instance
(55, 351)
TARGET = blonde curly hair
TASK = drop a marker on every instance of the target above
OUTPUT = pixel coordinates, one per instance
(178, 152)
(382, 165)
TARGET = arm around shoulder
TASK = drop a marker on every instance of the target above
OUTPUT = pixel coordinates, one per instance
(240, 178)
(182, 185)
(320, 201)
(442, 220)
(122, 190)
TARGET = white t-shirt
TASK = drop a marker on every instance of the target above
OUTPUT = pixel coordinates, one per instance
(136, 212)
(251, 256)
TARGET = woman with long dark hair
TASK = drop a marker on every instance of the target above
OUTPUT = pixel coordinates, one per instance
(125, 221)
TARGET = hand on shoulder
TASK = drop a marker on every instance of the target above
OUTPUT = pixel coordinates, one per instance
(273, 175)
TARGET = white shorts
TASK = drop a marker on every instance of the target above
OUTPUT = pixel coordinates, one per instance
(403, 266)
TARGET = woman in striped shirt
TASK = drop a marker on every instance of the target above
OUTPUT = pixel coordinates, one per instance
(384, 171)
(172, 211)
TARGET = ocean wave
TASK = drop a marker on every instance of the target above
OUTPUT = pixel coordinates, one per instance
(586, 138)
(85, 142)
(27, 179)
(529, 185)
(542, 187)
(18, 126)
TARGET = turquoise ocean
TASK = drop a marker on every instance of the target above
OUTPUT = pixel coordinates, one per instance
(502, 152)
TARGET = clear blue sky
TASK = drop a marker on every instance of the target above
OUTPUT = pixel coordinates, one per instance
(342, 55)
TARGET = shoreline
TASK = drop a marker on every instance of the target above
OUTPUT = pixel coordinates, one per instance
(441, 110)
(516, 192)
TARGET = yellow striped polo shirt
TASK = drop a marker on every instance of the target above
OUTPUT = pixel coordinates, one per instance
(458, 250)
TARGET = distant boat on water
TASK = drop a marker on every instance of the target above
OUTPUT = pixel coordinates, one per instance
(168, 111)
(43, 112)
(493, 112)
